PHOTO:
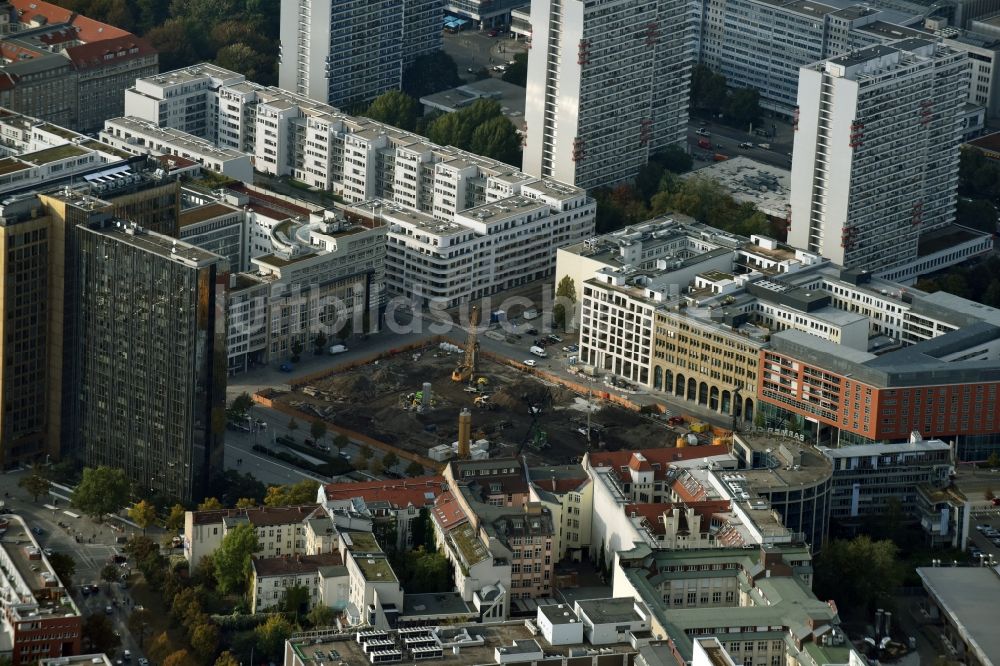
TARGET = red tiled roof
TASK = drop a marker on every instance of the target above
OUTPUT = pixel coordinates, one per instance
(261, 515)
(639, 463)
(13, 52)
(661, 456)
(286, 566)
(288, 208)
(28, 9)
(89, 30)
(653, 512)
(559, 486)
(448, 512)
(401, 493)
(95, 54)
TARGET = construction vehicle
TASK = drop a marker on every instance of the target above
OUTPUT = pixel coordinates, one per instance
(466, 370)
(483, 402)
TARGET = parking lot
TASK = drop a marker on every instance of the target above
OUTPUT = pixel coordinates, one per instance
(984, 534)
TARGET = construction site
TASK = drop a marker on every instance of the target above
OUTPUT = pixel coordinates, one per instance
(413, 400)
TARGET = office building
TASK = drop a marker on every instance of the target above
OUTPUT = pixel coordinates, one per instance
(875, 162)
(595, 120)
(964, 600)
(151, 346)
(868, 477)
(346, 53)
(66, 68)
(40, 619)
(486, 13)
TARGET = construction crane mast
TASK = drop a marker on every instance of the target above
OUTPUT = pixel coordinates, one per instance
(466, 370)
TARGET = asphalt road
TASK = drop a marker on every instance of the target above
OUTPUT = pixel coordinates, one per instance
(90, 556)
(726, 140)
(475, 50)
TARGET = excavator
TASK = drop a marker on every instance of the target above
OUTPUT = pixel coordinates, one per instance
(466, 370)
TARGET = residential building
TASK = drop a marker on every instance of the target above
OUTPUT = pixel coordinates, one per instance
(597, 119)
(77, 660)
(756, 602)
(324, 576)
(423, 193)
(151, 344)
(963, 599)
(566, 491)
(281, 530)
(66, 68)
(375, 597)
(40, 619)
(141, 137)
(397, 507)
(346, 53)
(868, 478)
(886, 121)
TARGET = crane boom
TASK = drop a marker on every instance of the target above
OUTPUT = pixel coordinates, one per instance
(466, 370)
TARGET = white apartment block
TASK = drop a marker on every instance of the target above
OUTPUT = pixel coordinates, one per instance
(876, 151)
(345, 52)
(184, 99)
(141, 137)
(323, 576)
(595, 119)
(439, 203)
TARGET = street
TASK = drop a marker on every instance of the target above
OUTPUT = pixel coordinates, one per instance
(474, 50)
(725, 140)
(90, 556)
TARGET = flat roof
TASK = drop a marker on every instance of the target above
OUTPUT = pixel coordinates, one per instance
(435, 604)
(363, 542)
(970, 596)
(203, 213)
(559, 614)
(54, 154)
(375, 567)
(862, 450)
(610, 611)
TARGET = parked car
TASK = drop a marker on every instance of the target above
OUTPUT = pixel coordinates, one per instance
(701, 131)
(108, 610)
(530, 362)
(286, 367)
(746, 145)
(337, 349)
(494, 32)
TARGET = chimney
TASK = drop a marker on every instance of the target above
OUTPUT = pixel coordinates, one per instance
(464, 433)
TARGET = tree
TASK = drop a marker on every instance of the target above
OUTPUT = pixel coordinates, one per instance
(376, 466)
(321, 616)
(708, 89)
(175, 521)
(232, 558)
(205, 640)
(497, 138)
(160, 647)
(743, 107)
(64, 567)
(101, 491)
(674, 158)
(99, 634)
(172, 41)
(978, 214)
(240, 405)
(210, 504)
(319, 343)
(34, 484)
(859, 573)
(390, 460)
(317, 429)
(110, 573)
(142, 514)
(430, 73)
(227, 659)
(565, 294)
(424, 571)
(179, 658)
(232, 486)
(271, 636)
(185, 604)
(394, 108)
(341, 442)
(518, 72)
(296, 599)
(296, 351)
(414, 469)
(993, 461)
(139, 623)
(246, 60)
(303, 492)
(365, 453)
(246, 503)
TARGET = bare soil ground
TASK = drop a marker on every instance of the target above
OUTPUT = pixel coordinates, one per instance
(379, 400)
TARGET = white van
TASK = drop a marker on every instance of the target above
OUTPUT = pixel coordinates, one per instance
(530, 314)
(337, 349)
(538, 351)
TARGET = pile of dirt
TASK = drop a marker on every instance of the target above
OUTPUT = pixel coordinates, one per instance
(615, 416)
(517, 396)
(355, 387)
(395, 420)
(384, 376)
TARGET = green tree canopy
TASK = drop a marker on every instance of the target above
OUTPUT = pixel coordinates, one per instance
(303, 492)
(232, 558)
(227, 659)
(210, 504)
(390, 460)
(64, 566)
(205, 639)
(317, 429)
(34, 483)
(142, 514)
(233, 486)
(395, 108)
(674, 158)
(98, 634)
(518, 72)
(978, 214)
(743, 107)
(243, 58)
(565, 296)
(271, 636)
(430, 73)
(321, 616)
(139, 623)
(708, 89)
(175, 521)
(859, 573)
(240, 405)
(414, 469)
(497, 138)
(101, 491)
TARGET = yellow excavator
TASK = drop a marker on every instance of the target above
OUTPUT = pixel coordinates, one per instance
(466, 370)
